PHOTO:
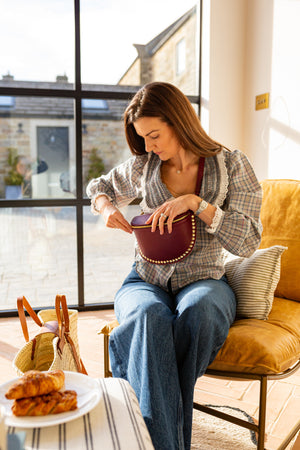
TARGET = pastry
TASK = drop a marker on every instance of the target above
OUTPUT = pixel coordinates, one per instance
(53, 403)
(34, 383)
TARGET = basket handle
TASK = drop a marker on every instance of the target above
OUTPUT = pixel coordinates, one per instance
(64, 330)
(61, 303)
(22, 303)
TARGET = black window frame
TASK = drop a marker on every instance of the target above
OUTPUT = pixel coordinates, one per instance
(77, 94)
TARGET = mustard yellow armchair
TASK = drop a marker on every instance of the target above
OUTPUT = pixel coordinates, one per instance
(264, 341)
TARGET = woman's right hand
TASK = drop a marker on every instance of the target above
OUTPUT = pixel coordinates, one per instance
(113, 218)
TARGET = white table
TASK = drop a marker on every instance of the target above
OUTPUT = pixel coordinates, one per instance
(116, 423)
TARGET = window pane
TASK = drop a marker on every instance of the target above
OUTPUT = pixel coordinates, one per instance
(145, 47)
(38, 255)
(103, 138)
(37, 148)
(108, 256)
(39, 40)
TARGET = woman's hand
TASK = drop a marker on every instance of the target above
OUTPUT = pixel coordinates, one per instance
(113, 218)
(170, 209)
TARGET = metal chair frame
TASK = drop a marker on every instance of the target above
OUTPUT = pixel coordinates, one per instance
(260, 427)
(263, 379)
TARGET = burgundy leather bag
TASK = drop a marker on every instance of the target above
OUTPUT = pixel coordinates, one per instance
(168, 248)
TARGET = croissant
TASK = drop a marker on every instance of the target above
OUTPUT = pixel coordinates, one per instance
(53, 403)
(34, 383)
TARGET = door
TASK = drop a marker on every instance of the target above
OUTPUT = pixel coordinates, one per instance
(53, 148)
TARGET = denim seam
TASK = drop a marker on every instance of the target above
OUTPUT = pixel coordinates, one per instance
(118, 360)
(180, 424)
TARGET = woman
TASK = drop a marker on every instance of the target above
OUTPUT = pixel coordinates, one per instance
(174, 318)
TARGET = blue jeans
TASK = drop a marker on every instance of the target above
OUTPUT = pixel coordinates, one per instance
(163, 344)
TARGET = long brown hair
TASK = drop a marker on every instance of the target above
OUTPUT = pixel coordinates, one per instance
(169, 104)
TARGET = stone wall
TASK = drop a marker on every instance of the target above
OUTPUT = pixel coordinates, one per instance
(164, 60)
(109, 139)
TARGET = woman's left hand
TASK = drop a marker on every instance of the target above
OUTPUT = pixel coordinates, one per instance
(170, 209)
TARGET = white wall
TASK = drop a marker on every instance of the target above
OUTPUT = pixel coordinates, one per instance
(284, 120)
(258, 75)
(251, 47)
(225, 39)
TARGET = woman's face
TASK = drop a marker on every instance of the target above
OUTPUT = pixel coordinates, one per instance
(159, 137)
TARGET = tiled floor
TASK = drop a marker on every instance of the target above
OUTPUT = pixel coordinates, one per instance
(283, 396)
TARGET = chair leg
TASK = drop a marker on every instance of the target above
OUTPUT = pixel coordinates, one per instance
(257, 428)
(290, 436)
(262, 413)
(107, 371)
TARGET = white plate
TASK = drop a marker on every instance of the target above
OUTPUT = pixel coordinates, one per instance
(88, 396)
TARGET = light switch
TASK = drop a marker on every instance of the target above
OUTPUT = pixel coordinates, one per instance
(262, 101)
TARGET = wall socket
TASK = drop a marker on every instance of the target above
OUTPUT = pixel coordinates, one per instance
(262, 101)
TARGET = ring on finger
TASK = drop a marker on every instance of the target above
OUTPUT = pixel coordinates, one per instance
(163, 215)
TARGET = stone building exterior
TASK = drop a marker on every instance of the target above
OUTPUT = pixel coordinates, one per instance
(38, 127)
(171, 56)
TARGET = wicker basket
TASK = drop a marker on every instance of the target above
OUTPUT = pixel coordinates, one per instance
(41, 352)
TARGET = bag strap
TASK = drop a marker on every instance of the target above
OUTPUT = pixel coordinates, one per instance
(200, 175)
(62, 320)
(22, 303)
(64, 330)
(61, 303)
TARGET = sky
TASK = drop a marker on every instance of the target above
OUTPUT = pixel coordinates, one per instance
(37, 41)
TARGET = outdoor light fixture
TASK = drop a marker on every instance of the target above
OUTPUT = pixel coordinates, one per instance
(20, 128)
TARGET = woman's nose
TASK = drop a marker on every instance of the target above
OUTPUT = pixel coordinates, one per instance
(148, 146)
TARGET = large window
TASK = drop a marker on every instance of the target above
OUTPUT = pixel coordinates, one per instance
(68, 71)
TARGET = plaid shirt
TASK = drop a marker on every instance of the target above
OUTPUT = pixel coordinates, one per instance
(229, 183)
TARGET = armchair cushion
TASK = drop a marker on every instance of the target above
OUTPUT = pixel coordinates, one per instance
(257, 346)
(254, 281)
(263, 347)
(281, 226)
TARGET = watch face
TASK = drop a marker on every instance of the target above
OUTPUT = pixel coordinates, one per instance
(202, 207)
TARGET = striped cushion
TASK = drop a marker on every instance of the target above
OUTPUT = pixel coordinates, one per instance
(254, 281)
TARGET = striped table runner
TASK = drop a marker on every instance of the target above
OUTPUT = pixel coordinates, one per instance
(116, 423)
